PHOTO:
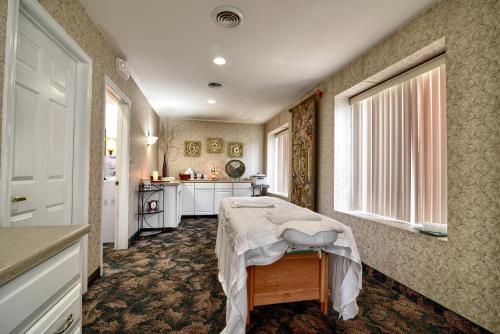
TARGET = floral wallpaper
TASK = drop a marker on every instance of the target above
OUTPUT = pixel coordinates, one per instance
(250, 135)
(462, 272)
(72, 16)
(303, 190)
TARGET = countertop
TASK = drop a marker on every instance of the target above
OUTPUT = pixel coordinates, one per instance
(22, 248)
(177, 182)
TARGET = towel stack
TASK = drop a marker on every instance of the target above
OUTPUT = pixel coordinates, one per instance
(241, 203)
(279, 217)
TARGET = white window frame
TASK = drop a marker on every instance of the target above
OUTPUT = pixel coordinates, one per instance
(272, 167)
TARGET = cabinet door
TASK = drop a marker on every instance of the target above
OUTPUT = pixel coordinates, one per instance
(188, 199)
(179, 205)
(242, 190)
(204, 202)
(219, 195)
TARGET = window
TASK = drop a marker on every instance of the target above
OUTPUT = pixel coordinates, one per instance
(399, 146)
(278, 162)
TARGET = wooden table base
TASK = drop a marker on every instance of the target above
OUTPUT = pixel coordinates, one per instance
(294, 277)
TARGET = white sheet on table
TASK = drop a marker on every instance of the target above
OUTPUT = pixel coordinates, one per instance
(245, 237)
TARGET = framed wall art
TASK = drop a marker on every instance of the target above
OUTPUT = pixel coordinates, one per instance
(192, 148)
(214, 145)
(235, 150)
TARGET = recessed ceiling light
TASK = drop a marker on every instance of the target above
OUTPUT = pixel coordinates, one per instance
(211, 101)
(219, 61)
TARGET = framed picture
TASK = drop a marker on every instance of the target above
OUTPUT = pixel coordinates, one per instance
(235, 150)
(192, 148)
(214, 145)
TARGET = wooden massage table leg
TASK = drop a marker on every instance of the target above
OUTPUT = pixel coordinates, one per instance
(324, 283)
(250, 290)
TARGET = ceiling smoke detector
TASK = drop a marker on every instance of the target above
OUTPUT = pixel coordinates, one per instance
(215, 85)
(228, 16)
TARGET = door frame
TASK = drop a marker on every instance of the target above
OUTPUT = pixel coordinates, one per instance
(83, 95)
(123, 153)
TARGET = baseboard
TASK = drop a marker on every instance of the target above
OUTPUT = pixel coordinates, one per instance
(454, 319)
(93, 277)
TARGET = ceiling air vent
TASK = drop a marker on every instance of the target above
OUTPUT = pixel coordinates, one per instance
(228, 16)
(215, 85)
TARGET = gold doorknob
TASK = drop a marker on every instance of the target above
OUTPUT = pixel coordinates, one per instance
(16, 199)
(117, 183)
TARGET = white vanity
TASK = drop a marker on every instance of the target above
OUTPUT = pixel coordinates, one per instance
(196, 198)
(41, 279)
(202, 198)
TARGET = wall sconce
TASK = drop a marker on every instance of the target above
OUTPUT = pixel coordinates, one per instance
(151, 140)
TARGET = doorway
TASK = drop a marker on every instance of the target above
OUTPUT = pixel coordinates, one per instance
(116, 157)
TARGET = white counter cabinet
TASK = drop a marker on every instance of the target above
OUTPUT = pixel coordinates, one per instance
(222, 190)
(242, 190)
(188, 199)
(203, 198)
(173, 205)
(46, 298)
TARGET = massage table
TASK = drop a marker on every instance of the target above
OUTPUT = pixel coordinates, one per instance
(256, 267)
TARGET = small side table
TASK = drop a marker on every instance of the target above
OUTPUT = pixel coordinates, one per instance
(262, 189)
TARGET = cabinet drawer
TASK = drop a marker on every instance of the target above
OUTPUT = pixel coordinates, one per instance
(208, 185)
(64, 317)
(77, 330)
(223, 186)
(24, 299)
(242, 185)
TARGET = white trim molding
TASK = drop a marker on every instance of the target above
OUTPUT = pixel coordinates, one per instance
(121, 228)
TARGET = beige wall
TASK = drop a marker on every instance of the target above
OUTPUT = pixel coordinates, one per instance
(74, 19)
(461, 273)
(251, 135)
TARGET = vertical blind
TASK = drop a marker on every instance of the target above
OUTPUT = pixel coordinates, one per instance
(282, 162)
(399, 148)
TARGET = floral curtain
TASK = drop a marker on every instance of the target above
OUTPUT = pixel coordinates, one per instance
(303, 192)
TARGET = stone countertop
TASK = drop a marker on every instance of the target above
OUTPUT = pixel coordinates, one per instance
(22, 248)
(177, 182)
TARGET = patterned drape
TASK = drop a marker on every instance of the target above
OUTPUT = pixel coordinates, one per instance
(303, 192)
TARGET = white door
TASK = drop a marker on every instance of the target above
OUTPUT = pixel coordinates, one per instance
(108, 211)
(204, 202)
(41, 169)
(188, 199)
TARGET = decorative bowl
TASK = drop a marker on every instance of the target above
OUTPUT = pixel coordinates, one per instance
(184, 177)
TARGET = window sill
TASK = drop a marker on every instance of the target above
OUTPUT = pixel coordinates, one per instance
(370, 218)
(282, 196)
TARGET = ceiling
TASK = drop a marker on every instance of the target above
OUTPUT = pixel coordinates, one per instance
(283, 48)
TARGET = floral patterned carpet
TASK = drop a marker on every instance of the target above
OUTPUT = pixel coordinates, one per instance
(168, 284)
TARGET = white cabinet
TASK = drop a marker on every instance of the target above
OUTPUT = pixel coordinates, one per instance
(179, 204)
(222, 190)
(242, 189)
(204, 199)
(172, 205)
(188, 199)
(47, 298)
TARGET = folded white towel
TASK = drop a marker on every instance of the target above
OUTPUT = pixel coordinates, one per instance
(433, 227)
(311, 227)
(279, 217)
(251, 204)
